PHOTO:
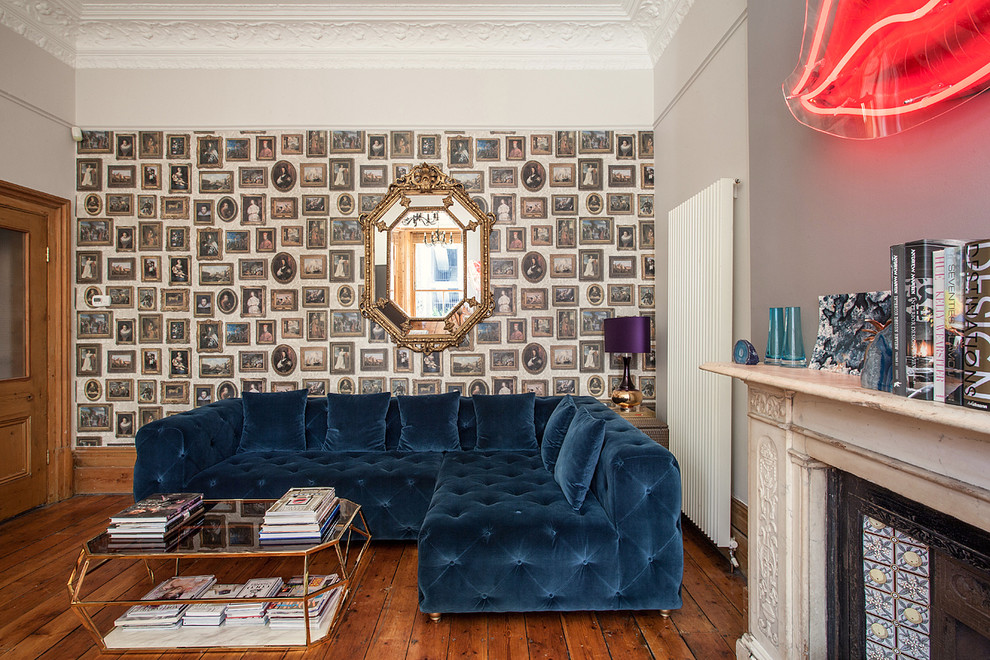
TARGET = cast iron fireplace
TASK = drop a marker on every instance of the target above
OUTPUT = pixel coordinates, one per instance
(906, 582)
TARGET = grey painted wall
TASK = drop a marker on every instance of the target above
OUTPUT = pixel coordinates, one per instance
(701, 133)
(825, 210)
(37, 106)
(818, 212)
(363, 98)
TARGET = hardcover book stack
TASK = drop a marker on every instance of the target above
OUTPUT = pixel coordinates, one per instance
(321, 608)
(253, 613)
(202, 614)
(302, 515)
(157, 522)
(941, 321)
(169, 616)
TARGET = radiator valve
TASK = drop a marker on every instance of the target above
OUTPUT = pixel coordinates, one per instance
(733, 544)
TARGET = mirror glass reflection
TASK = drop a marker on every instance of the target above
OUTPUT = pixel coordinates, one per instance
(427, 244)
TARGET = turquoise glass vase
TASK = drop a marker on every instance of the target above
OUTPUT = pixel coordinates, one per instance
(793, 355)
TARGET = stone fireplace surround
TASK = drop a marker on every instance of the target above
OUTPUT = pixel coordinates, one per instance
(802, 423)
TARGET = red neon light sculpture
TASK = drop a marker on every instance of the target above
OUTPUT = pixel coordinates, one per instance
(870, 68)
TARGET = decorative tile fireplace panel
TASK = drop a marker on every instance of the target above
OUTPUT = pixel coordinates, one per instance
(896, 593)
(902, 602)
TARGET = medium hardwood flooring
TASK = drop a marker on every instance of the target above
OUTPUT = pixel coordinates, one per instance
(39, 549)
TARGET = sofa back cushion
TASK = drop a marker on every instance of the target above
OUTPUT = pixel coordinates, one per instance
(429, 422)
(317, 415)
(556, 430)
(505, 421)
(545, 405)
(274, 421)
(316, 421)
(356, 422)
(578, 456)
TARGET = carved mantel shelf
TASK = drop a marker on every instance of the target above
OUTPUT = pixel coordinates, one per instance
(802, 423)
(846, 389)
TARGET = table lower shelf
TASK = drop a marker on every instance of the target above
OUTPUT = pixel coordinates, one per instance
(217, 636)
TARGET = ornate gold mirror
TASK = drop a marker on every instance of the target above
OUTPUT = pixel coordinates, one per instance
(426, 261)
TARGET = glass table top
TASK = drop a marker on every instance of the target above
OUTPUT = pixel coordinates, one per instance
(229, 527)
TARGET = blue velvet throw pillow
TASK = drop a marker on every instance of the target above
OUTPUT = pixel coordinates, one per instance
(556, 429)
(274, 421)
(356, 422)
(578, 457)
(429, 422)
(505, 421)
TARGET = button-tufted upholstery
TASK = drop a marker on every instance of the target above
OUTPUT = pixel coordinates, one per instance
(492, 510)
(394, 488)
(500, 537)
(495, 532)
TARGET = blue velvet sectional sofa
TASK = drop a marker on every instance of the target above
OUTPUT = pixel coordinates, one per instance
(518, 503)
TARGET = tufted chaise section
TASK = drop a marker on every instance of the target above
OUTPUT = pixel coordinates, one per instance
(394, 488)
(500, 536)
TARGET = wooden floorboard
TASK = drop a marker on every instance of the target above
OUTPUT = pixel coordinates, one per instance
(38, 551)
(662, 636)
(583, 636)
(395, 625)
(545, 635)
(507, 637)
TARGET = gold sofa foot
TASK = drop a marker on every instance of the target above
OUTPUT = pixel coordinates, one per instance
(434, 617)
(665, 614)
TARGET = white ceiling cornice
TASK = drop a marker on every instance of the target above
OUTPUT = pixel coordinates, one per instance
(52, 26)
(595, 34)
(659, 21)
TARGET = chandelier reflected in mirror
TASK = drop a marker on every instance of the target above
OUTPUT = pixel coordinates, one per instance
(427, 267)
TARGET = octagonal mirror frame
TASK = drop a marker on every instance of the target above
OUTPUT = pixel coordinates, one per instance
(426, 190)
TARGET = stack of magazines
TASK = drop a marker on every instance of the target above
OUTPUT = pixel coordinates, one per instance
(302, 515)
(203, 614)
(166, 616)
(254, 613)
(321, 608)
(157, 522)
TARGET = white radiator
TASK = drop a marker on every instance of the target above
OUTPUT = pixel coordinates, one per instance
(699, 329)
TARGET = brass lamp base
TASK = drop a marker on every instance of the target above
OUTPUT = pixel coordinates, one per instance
(626, 399)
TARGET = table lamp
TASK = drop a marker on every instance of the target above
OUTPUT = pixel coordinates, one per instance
(627, 335)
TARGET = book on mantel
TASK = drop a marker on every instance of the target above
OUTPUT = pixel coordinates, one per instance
(949, 299)
(976, 326)
(913, 316)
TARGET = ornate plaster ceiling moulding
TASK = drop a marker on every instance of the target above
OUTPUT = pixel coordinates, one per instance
(659, 21)
(617, 34)
(48, 25)
(225, 34)
(313, 44)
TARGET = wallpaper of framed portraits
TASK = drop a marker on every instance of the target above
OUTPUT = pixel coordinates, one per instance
(233, 262)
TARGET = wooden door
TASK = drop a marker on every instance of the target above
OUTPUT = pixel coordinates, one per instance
(25, 369)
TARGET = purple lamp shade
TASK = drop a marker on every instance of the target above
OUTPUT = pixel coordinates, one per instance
(627, 334)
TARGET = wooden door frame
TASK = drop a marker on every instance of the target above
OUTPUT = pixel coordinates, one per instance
(58, 212)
